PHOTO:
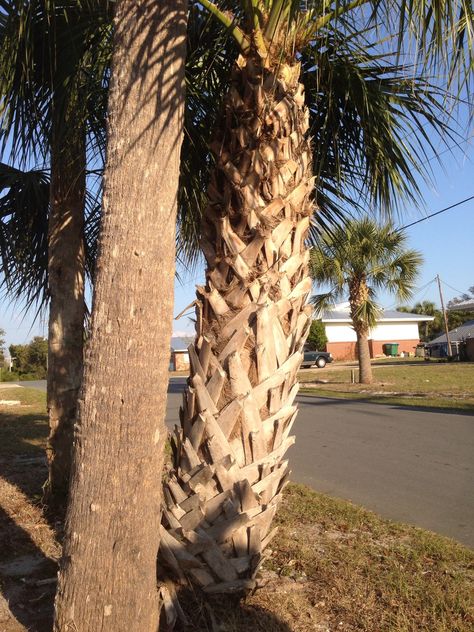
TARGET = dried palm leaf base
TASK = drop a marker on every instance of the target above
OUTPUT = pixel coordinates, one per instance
(252, 320)
(218, 516)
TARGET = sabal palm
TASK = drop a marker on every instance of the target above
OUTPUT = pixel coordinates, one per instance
(357, 260)
(252, 318)
(80, 52)
(53, 64)
(53, 87)
(429, 308)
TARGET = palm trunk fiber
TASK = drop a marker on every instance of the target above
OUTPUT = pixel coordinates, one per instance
(107, 580)
(363, 352)
(252, 320)
(66, 313)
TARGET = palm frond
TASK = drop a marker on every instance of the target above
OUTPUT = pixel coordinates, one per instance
(24, 205)
(372, 122)
(210, 56)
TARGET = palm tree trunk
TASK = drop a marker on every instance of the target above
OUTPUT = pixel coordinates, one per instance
(66, 315)
(107, 580)
(363, 354)
(252, 320)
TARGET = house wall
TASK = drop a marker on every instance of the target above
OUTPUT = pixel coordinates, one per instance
(181, 360)
(340, 332)
(342, 350)
(395, 332)
(342, 339)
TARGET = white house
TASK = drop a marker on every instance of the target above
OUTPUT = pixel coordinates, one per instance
(392, 326)
(179, 360)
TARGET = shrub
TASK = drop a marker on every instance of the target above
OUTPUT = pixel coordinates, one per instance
(317, 338)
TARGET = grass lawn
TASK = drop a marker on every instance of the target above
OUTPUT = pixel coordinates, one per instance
(438, 385)
(334, 566)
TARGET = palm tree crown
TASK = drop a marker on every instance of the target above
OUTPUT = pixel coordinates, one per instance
(364, 253)
(359, 259)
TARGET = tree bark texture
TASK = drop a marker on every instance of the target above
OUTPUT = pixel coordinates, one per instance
(358, 296)
(252, 320)
(66, 263)
(363, 353)
(107, 580)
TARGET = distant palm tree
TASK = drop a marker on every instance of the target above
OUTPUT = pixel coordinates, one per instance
(359, 259)
(427, 308)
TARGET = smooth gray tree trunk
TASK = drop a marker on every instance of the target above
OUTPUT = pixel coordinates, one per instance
(107, 580)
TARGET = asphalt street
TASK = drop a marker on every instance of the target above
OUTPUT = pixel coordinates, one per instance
(407, 464)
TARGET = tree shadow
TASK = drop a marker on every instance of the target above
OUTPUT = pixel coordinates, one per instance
(22, 458)
(228, 613)
(26, 578)
(176, 386)
(324, 400)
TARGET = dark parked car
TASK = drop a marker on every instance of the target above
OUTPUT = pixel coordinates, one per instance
(318, 358)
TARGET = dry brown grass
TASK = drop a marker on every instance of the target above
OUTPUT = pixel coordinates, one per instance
(334, 567)
(337, 567)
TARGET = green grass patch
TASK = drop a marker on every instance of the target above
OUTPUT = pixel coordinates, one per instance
(445, 386)
(336, 566)
(23, 427)
(372, 573)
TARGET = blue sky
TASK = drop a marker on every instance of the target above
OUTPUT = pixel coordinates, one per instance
(446, 241)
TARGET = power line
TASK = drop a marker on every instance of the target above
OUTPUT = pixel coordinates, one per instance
(416, 291)
(452, 288)
(443, 210)
(440, 153)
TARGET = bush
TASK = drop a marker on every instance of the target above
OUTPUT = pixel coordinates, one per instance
(9, 376)
(317, 336)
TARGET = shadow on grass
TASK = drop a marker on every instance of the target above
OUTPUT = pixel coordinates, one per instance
(23, 570)
(22, 455)
(222, 612)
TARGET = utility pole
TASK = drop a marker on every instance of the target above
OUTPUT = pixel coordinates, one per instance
(450, 352)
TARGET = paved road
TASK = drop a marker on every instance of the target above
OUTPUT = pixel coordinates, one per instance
(406, 464)
(40, 384)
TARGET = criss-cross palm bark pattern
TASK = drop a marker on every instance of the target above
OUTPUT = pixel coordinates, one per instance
(252, 320)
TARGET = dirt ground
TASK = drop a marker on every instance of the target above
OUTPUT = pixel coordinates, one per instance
(29, 551)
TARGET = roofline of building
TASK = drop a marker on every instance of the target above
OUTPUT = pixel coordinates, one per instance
(380, 320)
